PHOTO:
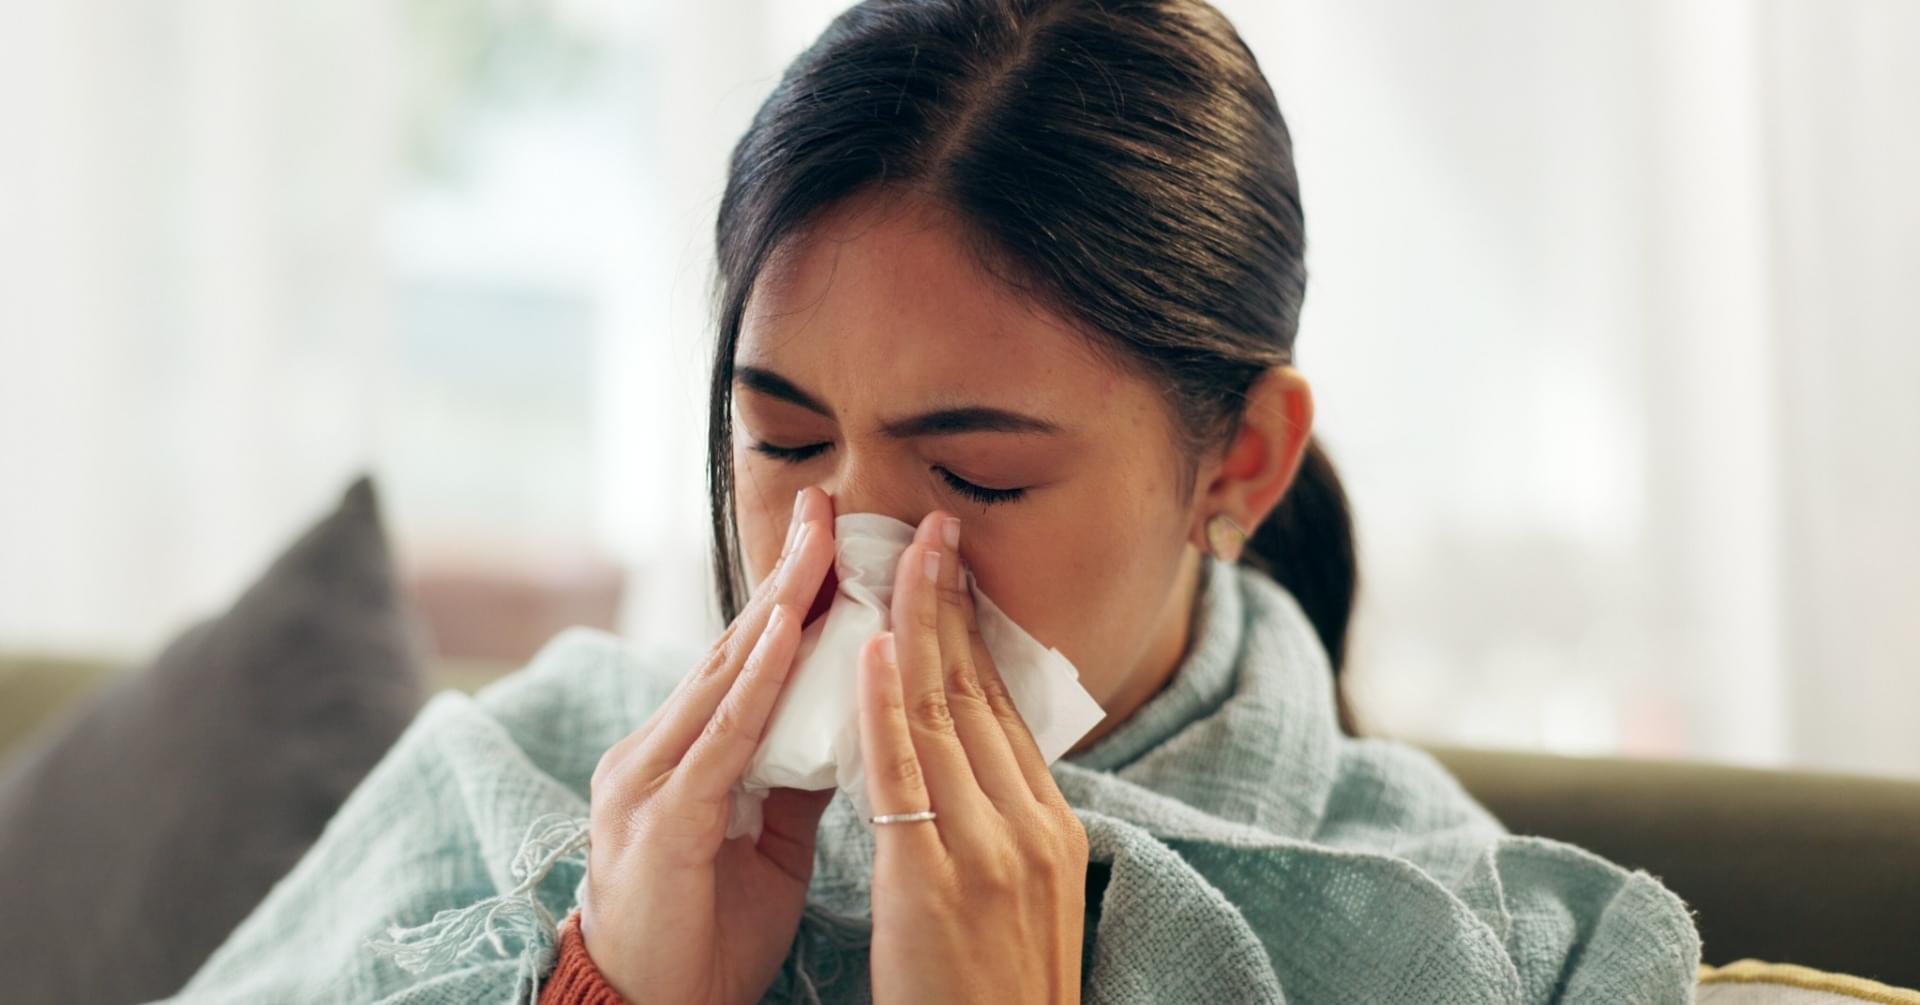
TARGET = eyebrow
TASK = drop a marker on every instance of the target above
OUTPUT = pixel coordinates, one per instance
(941, 422)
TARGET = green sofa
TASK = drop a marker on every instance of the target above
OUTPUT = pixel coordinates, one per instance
(1801, 867)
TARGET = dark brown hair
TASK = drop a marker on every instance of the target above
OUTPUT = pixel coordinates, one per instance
(1125, 160)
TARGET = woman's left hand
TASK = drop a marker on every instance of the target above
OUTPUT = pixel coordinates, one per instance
(985, 902)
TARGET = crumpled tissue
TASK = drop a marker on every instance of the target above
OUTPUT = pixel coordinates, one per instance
(812, 740)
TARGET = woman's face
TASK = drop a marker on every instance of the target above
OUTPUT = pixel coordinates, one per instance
(879, 362)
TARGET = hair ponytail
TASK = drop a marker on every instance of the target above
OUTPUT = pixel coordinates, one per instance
(1306, 545)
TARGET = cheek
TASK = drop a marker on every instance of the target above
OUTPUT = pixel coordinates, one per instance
(762, 508)
(1056, 577)
(1090, 581)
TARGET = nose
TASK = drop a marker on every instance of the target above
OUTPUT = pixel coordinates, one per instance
(862, 487)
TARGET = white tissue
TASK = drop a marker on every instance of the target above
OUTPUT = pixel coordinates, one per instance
(812, 740)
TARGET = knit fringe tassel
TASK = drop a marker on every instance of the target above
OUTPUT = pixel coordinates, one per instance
(456, 933)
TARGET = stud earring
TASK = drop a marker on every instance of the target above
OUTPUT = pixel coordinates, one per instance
(1225, 536)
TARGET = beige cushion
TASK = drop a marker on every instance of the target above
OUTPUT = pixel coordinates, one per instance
(1753, 982)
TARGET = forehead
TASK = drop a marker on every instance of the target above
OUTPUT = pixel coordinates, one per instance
(882, 299)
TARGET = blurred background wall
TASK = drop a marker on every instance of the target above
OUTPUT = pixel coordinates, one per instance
(1611, 324)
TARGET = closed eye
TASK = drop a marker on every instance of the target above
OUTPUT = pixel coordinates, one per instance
(978, 493)
(792, 455)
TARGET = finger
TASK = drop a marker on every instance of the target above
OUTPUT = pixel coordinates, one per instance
(1013, 725)
(956, 794)
(716, 659)
(723, 648)
(717, 758)
(974, 721)
(895, 781)
(613, 760)
(722, 651)
(715, 655)
(793, 583)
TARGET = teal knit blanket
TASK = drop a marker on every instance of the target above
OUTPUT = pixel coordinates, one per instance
(1243, 850)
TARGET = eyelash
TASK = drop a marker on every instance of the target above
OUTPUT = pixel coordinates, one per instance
(978, 493)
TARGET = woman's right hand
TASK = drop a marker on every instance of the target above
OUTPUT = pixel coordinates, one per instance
(671, 912)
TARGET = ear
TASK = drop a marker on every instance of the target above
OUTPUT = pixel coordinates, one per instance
(1253, 474)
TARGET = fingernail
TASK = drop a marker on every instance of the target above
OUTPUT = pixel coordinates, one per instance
(799, 542)
(950, 530)
(886, 648)
(930, 562)
(793, 521)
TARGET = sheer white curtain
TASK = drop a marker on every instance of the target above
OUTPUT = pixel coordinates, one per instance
(190, 312)
(1611, 317)
(1844, 92)
(1609, 323)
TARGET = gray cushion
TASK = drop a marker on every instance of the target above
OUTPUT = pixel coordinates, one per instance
(140, 829)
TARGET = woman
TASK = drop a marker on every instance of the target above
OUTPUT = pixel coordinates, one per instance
(1027, 273)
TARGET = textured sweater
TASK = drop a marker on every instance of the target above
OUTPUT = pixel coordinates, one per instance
(1241, 849)
(575, 980)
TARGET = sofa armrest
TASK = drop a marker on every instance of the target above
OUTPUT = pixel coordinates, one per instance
(1815, 868)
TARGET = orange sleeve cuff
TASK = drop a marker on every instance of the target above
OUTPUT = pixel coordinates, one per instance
(575, 980)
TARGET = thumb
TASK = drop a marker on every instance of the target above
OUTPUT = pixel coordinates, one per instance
(790, 818)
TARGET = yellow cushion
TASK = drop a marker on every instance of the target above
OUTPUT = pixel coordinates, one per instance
(1756, 981)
